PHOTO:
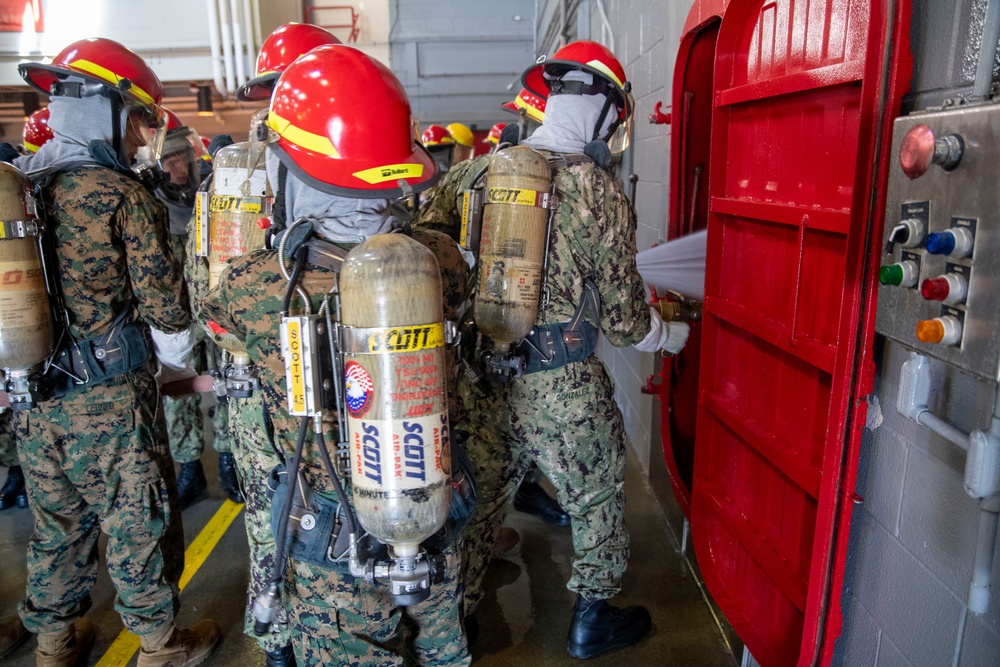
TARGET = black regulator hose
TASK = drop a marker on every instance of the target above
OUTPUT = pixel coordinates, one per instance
(352, 522)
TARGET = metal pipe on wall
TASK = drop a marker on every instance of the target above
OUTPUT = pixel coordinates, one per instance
(215, 46)
(982, 468)
(606, 25)
(987, 50)
(239, 31)
(251, 22)
(982, 568)
(226, 25)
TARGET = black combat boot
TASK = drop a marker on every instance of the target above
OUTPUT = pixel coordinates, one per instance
(191, 483)
(282, 657)
(13, 492)
(227, 478)
(597, 627)
(531, 498)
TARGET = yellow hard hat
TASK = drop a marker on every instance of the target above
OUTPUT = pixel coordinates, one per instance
(461, 134)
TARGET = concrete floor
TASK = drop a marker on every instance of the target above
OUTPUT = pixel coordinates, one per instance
(523, 619)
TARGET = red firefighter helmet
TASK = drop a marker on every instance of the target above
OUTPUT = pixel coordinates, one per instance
(533, 105)
(494, 136)
(99, 62)
(585, 56)
(435, 135)
(337, 145)
(36, 130)
(279, 50)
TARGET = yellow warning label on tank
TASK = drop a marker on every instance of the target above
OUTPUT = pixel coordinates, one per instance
(406, 339)
(224, 203)
(518, 196)
(3, 231)
(390, 172)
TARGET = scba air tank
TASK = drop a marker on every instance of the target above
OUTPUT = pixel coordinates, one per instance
(395, 373)
(239, 212)
(512, 249)
(239, 207)
(26, 336)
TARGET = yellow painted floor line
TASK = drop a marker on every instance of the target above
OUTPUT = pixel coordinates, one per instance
(126, 644)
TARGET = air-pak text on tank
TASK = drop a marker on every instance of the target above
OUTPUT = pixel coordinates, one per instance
(369, 454)
(406, 339)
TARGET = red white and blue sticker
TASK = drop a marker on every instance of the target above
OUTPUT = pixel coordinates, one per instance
(359, 389)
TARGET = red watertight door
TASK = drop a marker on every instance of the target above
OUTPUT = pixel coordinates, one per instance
(691, 130)
(805, 92)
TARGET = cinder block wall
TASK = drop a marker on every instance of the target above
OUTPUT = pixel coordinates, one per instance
(913, 537)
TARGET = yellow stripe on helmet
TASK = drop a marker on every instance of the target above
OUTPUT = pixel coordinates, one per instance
(533, 113)
(390, 172)
(604, 69)
(313, 142)
(107, 75)
(30, 146)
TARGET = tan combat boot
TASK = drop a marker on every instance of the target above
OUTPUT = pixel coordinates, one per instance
(12, 634)
(173, 647)
(67, 648)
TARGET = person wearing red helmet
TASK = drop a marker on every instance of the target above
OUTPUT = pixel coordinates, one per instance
(253, 455)
(493, 138)
(182, 156)
(440, 144)
(577, 436)
(36, 130)
(92, 454)
(336, 188)
(279, 50)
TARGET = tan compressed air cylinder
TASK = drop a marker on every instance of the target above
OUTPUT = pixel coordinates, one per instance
(395, 391)
(26, 334)
(512, 249)
(239, 200)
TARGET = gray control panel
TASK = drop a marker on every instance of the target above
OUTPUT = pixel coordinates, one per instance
(940, 275)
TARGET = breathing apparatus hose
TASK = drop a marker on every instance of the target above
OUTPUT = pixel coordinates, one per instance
(352, 522)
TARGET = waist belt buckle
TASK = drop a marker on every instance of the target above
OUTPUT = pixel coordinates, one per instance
(548, 353)
(573, 339)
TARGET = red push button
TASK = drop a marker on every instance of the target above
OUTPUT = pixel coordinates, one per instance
(950, 288)
(920, 149)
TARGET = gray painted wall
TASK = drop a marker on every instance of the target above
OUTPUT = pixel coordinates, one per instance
(456, 58)
(913, 537)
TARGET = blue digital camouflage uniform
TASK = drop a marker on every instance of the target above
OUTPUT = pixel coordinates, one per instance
(241, 419)
(335, 619)
(97, 459)
(565, 420)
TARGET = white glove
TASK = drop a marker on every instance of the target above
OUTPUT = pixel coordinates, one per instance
(678, 337)
(175, 352)
(667, 336)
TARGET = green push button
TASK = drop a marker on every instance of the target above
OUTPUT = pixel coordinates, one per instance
(891, 275)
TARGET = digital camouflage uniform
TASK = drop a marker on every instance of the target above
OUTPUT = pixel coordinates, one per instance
(565, 420)
(97, 459)
(334, 619)
(185, 424)
(439, 209)
(8, 445)
(254, 457)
